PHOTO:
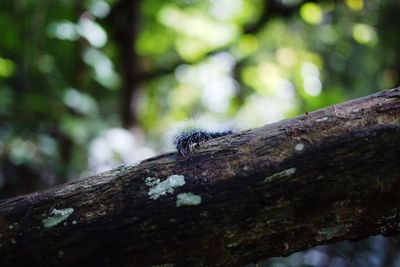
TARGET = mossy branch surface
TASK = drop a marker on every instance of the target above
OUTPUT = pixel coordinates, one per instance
(325, 176)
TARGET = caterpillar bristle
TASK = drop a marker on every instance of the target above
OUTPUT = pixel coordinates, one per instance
(189, 135)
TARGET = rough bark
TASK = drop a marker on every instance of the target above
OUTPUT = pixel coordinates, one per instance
(325, 176)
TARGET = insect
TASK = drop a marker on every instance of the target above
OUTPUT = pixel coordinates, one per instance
(188, 135)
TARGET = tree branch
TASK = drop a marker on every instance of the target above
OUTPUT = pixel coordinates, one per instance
(125, 21)
(326, 176)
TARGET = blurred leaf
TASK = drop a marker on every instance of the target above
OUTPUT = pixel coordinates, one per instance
(311, 13)
(6, 67)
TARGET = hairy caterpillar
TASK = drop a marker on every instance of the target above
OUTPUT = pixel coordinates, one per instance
(188, 135)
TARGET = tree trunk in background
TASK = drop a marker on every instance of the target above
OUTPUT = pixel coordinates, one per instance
(125, 21)
(326, 176)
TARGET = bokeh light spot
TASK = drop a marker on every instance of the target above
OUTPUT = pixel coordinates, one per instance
(311, 13)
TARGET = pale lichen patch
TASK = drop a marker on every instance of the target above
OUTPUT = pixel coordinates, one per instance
(187, 199)
(166, 186)
(322, 119)
(232, 245)
(299, 147)
(330, 232)
(284, 173)
(58, 217)
(151, 181)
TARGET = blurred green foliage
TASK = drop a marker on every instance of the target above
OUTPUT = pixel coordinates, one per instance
(73, 74)
(66, 76)
(253, 62)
